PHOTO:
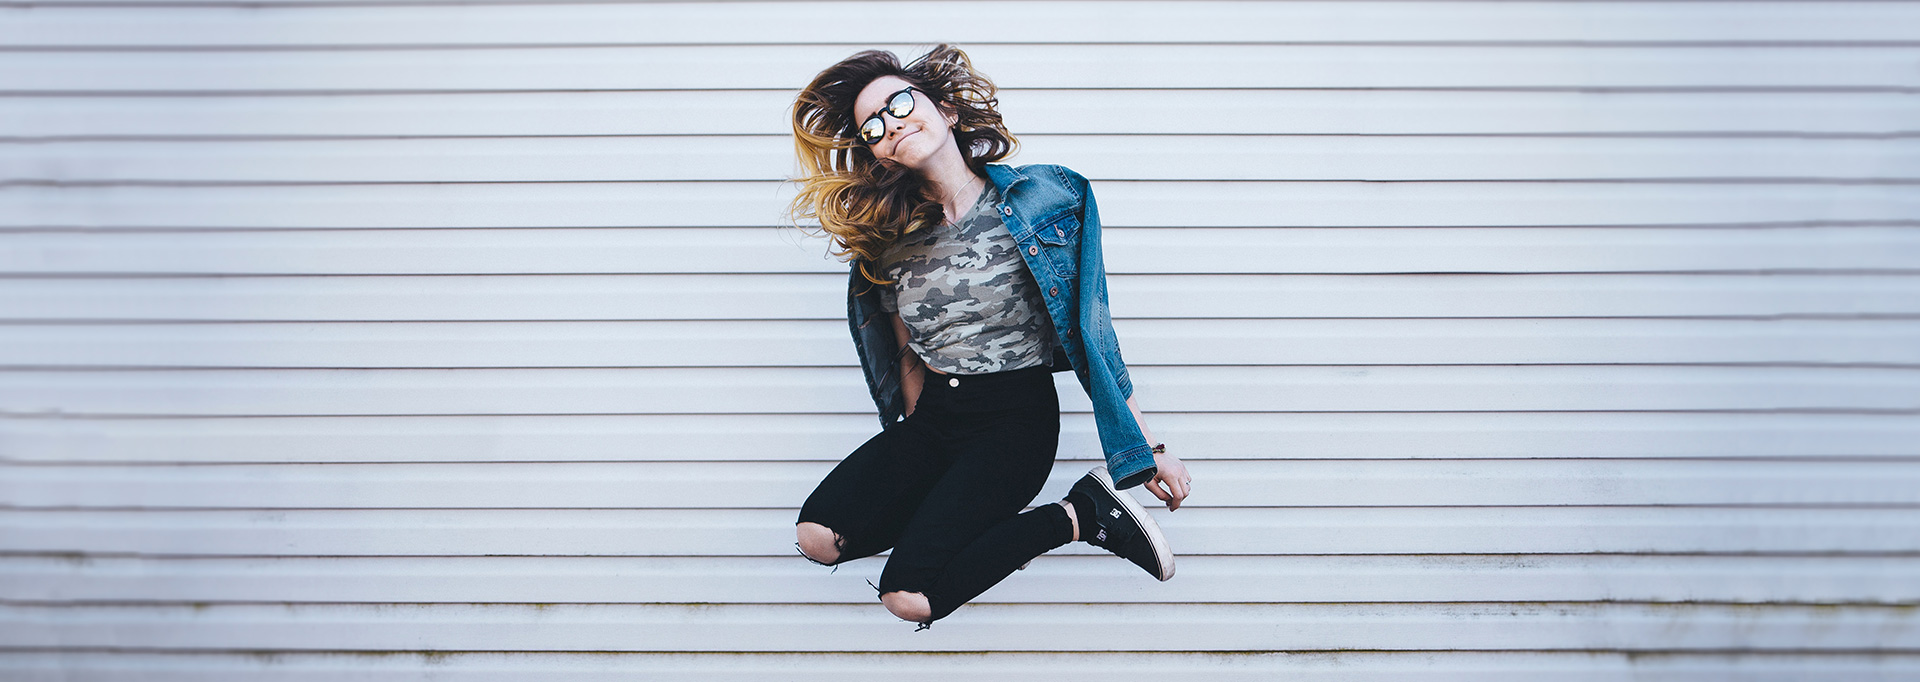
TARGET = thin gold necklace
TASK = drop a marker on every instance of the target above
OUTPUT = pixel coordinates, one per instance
(955, 220)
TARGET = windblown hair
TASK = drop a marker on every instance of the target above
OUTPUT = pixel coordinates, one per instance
(864, 205)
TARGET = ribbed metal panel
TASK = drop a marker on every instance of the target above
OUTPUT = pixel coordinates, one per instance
(788, 437)
(1204, 578)
(1764, 112)
(1100, 157)
(1334, 202)
(786, 343)
(1872, 295)
(1580, 666)
(990, 627)
(356, 23)
(1278, 529)
(1251, 250)
(696, 485)
(423, 340)
(1175, 66)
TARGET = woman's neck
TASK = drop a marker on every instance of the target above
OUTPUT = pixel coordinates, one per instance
(952, 183)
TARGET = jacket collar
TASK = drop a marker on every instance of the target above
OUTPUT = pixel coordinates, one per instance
(1004, 177)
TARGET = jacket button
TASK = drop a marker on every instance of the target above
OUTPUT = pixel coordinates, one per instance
(1057, 232)
(1031, 250)
(954, 382)
(1053, 291)
(1006, 210)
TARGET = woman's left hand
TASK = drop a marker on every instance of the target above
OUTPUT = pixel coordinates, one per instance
(1172, 482)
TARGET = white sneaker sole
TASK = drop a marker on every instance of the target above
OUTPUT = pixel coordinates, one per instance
(1160, 549)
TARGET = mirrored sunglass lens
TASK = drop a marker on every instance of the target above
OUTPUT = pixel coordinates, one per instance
(872, 130)
(901, 104)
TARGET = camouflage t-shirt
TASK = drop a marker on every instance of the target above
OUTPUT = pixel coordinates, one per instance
(965, 294)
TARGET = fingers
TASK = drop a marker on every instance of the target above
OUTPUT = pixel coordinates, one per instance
(1172, 495)
(1153, 486)
(1180, 490)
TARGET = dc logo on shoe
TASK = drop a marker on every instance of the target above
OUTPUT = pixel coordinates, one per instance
(1102, 535)
(1115, 512)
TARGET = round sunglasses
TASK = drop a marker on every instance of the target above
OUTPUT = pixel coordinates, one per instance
(899, 105)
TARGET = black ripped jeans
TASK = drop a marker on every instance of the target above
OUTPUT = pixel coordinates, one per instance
(944, 488)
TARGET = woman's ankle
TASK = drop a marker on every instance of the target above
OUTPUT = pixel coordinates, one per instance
(1073, 520)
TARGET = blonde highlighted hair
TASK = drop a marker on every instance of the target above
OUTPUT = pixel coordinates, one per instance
(862, 204)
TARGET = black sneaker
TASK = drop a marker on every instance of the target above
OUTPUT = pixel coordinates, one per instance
(1121, 526)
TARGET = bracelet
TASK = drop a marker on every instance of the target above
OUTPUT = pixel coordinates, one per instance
(1160, 448)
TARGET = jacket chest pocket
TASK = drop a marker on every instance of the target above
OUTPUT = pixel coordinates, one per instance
(1060, 246)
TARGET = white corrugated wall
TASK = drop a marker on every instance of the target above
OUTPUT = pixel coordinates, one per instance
(1506, 341)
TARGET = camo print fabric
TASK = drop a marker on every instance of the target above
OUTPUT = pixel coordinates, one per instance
(965, 294)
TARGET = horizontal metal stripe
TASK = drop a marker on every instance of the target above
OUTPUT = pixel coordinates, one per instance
(1051, 579)
(866, 627)
(109, 663)
(769, 249)
(1263, 204)
(1012, 66)
(1194, 437)
(743, 343)
(1217, 483)
(805, 389)
(918, 23)
(822, 296)
(1621, 89)
(1276, 112)
(1128, 250)
(764, 158)
(769, 532)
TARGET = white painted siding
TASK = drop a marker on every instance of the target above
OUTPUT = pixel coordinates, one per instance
(1506, 340)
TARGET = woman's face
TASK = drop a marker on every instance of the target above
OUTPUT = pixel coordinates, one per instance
(910, 141)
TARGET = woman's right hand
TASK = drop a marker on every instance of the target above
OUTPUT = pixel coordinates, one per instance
(1171, 474)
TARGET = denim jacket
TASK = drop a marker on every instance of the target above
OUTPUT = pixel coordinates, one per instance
(1051, 214)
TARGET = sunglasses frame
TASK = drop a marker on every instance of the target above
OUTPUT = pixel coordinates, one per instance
(912, 102)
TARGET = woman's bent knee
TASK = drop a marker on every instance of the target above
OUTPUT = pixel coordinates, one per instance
(911, 606)
(818, 542)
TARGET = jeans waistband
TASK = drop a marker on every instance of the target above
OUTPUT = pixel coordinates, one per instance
(988, 391)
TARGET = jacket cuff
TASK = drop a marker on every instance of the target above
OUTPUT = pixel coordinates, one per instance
(1132, 467)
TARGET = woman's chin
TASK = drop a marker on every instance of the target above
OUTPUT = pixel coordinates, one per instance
(915, 156)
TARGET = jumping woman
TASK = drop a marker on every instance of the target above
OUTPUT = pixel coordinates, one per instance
(971, 283)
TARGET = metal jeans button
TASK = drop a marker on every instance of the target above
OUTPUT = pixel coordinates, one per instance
(1032, 250)
(954, 382)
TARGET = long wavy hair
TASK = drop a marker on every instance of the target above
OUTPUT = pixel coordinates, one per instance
(864, 205)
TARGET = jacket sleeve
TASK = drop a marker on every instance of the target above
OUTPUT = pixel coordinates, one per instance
(1129, 457)
(1096, 319)
(873, 341)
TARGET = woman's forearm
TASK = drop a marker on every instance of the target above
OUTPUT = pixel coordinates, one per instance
(1142, 421)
